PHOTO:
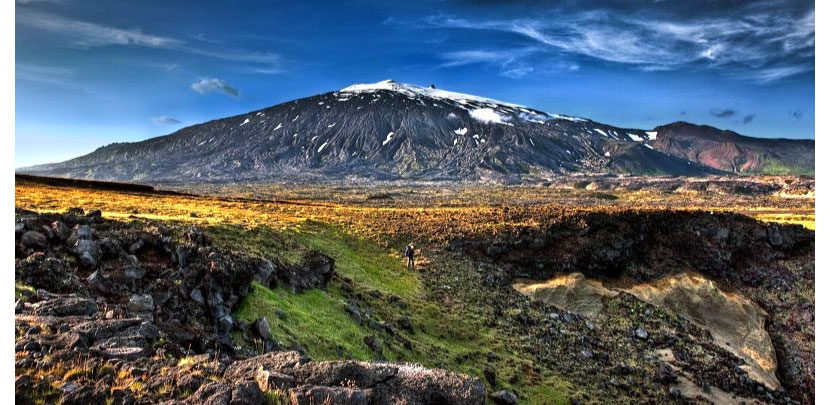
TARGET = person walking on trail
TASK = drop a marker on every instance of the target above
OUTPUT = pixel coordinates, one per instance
(409, 252)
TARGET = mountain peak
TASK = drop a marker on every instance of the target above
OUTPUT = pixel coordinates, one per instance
(412, 90)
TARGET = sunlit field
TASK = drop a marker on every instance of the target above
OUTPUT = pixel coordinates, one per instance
(426, 213)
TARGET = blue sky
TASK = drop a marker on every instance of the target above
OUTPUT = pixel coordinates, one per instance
(88, 73)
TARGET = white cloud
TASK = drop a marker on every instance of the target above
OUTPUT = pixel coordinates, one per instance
(517, 73)
(206, 86)
(509, 62)
(775, 43)
(89, 35)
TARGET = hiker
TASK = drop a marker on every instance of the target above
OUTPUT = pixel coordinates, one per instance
(409, 252)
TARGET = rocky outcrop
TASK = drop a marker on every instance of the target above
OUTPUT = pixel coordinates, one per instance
(175, 278)
(763, 274)
(735, 322)
(150, 320)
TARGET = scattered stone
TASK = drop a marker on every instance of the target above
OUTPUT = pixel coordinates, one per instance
(247, 393)
(675, 392)
(406, 324)
(774, 236)
(504, 397)
(225, 323)
(136, 246)
(140, 304)
(134, 272)
(88, 252)
(265, 272)
(196, 295)
(262, 328)
(641, 333)
(79, 232)
(33, 239)
(182, 255)
(60, 230)
(374, 344)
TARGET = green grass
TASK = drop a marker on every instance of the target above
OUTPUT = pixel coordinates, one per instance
(451, 336)
(779, 168)
(314, 318)
(366, 263)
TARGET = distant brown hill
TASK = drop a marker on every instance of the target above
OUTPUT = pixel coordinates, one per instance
(731, 152)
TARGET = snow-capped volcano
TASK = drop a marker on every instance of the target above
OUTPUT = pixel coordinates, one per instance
(483, 108)
(386, 130)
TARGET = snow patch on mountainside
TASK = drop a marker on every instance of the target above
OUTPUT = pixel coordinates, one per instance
(488, 115)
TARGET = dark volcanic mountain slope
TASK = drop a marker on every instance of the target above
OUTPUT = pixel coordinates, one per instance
(729, 151)
(384, 130)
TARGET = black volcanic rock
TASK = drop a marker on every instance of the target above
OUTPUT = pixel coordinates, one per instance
(388, 130)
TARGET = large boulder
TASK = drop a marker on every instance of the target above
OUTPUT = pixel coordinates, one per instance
(313, 395)
(212, 393)
(315, 272)
(275, 362)
(65, 305)
(60, 230)
(88, 252)
(247, 393)
(33, 239)
(79, 232)
(262, 328)
(140, 304)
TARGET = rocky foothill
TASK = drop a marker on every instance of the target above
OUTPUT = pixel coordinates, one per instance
(648, 286)
(138, 312)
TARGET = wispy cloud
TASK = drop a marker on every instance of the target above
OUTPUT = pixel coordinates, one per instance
(722, 112)
(86, 34)
(206, 86)
(517, 73)
(165, 120)
(763, 43)
(468, 57)
(51, 75)
(749, 118)
(89, 35)
(511, 63)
